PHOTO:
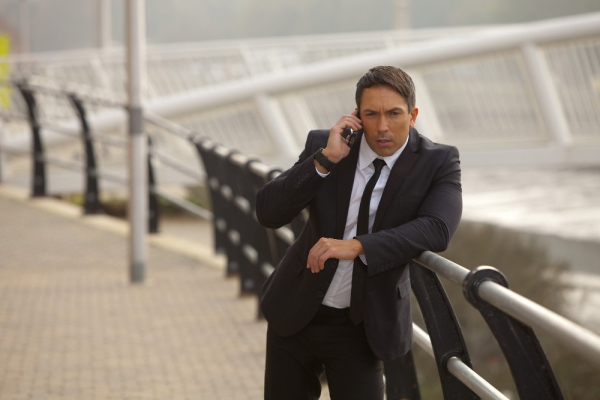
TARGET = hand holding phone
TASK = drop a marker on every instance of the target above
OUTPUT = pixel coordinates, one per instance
(343, 132)
(350, 135)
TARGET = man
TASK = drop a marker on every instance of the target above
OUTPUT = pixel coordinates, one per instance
(339, 299)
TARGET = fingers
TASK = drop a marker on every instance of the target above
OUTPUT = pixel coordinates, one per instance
(348, 121)
(315, 255)
(321, 252)
(326, 248)
(337, 146)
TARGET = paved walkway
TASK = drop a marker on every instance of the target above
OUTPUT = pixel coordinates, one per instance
(72, 327)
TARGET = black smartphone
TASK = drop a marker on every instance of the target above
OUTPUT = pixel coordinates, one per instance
(350, 135)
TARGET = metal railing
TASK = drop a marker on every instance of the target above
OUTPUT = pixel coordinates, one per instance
(90, 169)
(459, 369)
(253, 252)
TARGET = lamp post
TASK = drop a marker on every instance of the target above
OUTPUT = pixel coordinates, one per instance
(138, 151)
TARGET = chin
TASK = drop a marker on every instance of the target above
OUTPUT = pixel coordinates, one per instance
(385, 152)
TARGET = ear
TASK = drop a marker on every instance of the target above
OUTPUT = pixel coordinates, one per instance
(413, 116)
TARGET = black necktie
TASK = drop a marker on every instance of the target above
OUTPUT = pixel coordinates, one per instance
(357, 293)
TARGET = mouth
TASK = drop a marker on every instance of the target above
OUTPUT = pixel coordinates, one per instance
(383, 142)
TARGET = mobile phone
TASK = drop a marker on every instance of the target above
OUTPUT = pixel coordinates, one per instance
(350, 135)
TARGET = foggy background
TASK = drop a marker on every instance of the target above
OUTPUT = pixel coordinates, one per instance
(70, 24)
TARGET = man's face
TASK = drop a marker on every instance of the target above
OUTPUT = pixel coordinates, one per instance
(385, 119)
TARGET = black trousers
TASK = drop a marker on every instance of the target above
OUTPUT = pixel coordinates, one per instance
(331, 344)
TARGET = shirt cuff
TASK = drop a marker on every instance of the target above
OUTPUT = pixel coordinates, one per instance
(322, 175)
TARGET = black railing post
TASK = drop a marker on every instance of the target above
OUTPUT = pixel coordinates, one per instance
(531, 371)
(38, 188)
(226, 236)
(401, 378)
(153, 206)
(237, 215)
(443, 328)
(204, 149)
(243, 221)
(92, 193)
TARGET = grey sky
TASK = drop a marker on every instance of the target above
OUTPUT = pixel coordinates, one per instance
(68, 24)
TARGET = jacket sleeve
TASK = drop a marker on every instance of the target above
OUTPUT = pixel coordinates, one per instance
(437, 220)
(282, 199)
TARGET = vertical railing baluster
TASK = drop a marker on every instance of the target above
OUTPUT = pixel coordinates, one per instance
(92, 193)
(401, 378)
(38, 188)
(531, 371)
(153, 206)
(443, 328)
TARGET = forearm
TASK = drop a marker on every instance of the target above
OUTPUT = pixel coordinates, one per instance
(391, 248)
(282, 199)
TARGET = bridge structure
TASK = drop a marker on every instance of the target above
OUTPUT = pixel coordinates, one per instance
(520, 94)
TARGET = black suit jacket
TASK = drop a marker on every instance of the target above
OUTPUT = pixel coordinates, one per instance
(420, 209)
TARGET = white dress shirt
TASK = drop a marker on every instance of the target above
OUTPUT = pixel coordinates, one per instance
(338, 294)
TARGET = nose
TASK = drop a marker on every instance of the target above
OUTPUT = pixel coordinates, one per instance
(382, 125)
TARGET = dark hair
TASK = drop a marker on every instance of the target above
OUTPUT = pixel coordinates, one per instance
(393, 77)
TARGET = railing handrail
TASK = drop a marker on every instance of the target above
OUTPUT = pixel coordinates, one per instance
(88, 93)
(459, 369)
(564, 331)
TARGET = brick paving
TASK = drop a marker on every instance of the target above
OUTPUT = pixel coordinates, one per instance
(72, 327)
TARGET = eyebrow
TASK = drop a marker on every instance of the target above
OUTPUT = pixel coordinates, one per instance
(391, 109)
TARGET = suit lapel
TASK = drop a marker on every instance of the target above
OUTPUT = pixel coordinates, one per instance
(401, 168)
(345, 170)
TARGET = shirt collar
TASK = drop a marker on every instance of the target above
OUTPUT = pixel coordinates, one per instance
(366, 155)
